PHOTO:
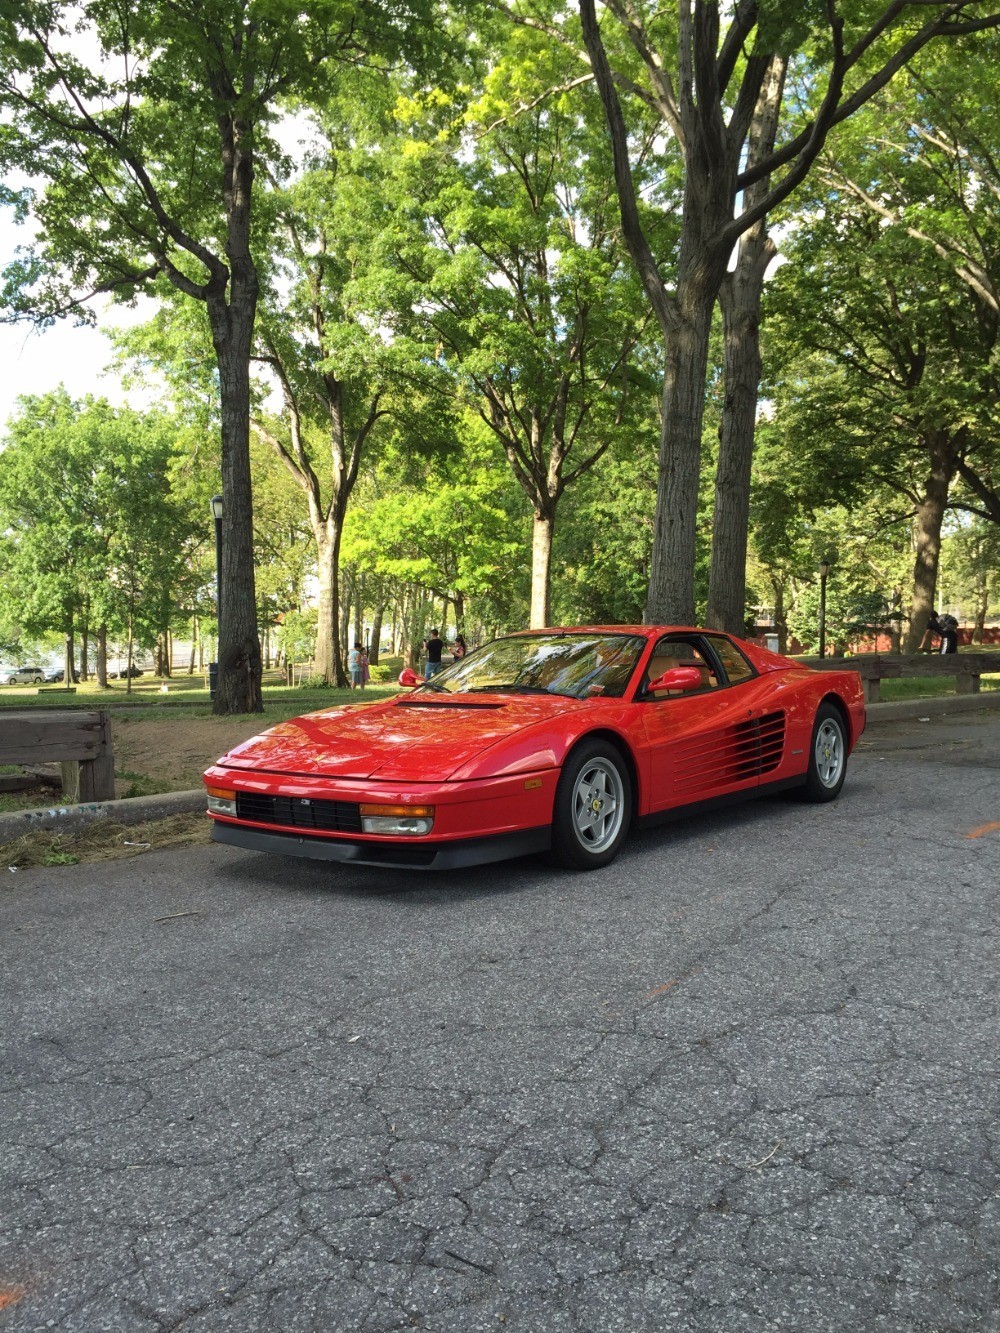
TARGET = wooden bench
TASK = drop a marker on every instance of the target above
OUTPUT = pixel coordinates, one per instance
(873, 668)
(79, 741)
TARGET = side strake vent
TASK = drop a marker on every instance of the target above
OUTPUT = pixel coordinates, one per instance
(732, 754)
(771, 735)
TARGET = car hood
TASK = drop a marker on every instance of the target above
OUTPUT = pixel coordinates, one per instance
(410, 739)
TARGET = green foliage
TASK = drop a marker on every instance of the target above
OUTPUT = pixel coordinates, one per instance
(92, 530)
(297, 635)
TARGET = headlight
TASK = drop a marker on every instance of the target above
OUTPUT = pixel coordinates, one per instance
(409, 820)
(221, 801)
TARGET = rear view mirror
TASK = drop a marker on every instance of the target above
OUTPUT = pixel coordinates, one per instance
(677, 678)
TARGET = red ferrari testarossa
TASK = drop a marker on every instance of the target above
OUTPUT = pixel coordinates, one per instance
(553, 740)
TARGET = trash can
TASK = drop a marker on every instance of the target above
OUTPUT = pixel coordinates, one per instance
(213, 679)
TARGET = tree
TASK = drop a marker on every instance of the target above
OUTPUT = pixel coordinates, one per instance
(346, 352)
(513, 250)
(705, 78)
(935, 185)
(889, 364)
(150, 154)
(93, 533)
(444, 526)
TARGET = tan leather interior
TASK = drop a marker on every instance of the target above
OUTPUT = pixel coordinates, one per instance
(657, 666)
(659, 663)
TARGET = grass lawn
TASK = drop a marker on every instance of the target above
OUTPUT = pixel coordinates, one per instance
(930, 687)
(183, 692)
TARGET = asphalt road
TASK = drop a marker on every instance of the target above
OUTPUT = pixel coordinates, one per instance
(743, 1080)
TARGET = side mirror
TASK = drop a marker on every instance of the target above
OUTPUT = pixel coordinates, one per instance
(409, 679)
(677, 678)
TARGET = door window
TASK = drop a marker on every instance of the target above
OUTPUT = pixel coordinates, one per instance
(670, 653)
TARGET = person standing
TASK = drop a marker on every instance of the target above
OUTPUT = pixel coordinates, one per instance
(354, 667)
(433, 647)
(459, 648)
(365, 672)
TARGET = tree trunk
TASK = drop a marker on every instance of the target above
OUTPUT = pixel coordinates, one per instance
(343, 620)
(780, 619)
(194, 644)
(740, 301)
(232, 325)
(671, 580)
(102, 656)
(377, 615)
(335, 615)
(128, 656)
(69, 646)
(239, 686)
(359, 611)
(541, 566)
(325, 663)
(930, 516)
(84, 650)
(982, 605)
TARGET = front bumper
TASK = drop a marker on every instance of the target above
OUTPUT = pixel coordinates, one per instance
(412, 855)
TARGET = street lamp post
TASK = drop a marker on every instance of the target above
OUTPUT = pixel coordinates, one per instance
(824, 569)
(213, 667)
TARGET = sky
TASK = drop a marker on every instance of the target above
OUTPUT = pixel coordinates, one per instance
(33, 361)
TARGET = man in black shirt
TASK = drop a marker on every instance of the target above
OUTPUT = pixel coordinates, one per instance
(433, 648)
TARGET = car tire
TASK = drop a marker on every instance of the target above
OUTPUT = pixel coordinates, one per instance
(593, 807)
(39, 680)
(827, 756)
(11, 680)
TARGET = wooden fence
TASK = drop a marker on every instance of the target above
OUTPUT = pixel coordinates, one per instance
(79, 741)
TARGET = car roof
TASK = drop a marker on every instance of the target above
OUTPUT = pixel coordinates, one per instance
(646, 631)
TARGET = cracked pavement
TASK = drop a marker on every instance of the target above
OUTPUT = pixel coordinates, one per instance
(745, 1079)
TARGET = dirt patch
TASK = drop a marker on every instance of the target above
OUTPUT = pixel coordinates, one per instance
(103, 840)
(170, 754)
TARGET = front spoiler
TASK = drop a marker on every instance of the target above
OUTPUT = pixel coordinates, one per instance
(393, 856)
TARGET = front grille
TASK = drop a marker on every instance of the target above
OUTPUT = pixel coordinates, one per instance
(299, 812)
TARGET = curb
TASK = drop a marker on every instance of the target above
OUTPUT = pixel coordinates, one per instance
(131, 810)
(903, 710)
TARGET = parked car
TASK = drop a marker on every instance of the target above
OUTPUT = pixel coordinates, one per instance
(22, 675)
(125, 672)
(552, 741)
(55, 677)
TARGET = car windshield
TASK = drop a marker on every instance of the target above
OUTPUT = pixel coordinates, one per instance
(577, 665)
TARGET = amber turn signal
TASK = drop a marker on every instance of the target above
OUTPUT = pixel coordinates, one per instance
(426, 811)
